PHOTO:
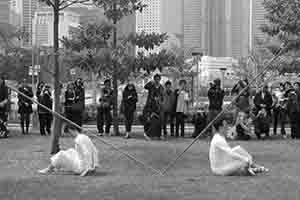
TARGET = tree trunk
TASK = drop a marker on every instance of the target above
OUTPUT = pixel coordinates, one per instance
(115, 83)
(57, 108)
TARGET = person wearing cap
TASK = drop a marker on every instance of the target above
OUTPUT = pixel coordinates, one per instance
(215, 97)
(104, 115)
(25, 106)
(3, 107)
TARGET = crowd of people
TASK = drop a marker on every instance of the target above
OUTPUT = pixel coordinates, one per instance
(165, 106)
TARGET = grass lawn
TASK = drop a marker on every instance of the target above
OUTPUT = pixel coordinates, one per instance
(119, 178)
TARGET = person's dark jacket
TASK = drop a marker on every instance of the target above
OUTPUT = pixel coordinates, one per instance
(267, 101)
(129, 100)
(216, 98)
(80, 97)
(46, 100)
(169, 101)
(155, 95)
(3, 96)
(25, 104)
(69, 100)
(106, 99)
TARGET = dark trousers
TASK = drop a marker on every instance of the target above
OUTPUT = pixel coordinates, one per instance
(279, 115)
(72, 116)
(168, 117)
(45, 123)
(179, 123)
(25, 121)
(128, 120)
(3, 128)
(78, 119)
(104, 117)
(211, 115)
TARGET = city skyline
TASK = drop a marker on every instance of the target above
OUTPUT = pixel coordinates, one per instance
(221, 28)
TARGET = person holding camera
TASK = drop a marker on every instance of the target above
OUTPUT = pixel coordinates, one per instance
(69, 101)
(45, 116)
(3, 107)
(215, 97)
(104, 109)
(25, 106)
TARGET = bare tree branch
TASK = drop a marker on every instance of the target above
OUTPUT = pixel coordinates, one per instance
(49, 2)
(67, 3)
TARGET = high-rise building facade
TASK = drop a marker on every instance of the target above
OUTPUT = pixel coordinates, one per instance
(149, 20)
(22, 13)
(4, 11)
(217, 28)
(258, 19)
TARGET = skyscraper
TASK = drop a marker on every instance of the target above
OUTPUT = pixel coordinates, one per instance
(22, 13)
(4, 11)
(258, 19)
(149, 20)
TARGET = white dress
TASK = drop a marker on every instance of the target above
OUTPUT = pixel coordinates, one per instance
(83, 157)
(225, 160)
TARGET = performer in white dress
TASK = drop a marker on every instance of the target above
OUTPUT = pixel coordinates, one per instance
(80, 160)
(227, 161)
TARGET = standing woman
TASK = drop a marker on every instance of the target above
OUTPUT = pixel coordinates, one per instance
(45, 115)
(69, 101)
(25, 106)
(40, 87)
(79, 104)
(128, 106)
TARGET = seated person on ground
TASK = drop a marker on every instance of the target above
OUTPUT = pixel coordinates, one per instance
(227, 161)
(242, 127)
(199, 121)
(79, 160)
(262, 124)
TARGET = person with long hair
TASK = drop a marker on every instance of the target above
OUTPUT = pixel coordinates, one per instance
(81, 160)
(69, 101)
(25, 106)
(128, 106)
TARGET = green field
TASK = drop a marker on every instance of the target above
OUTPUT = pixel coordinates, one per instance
(119, 178)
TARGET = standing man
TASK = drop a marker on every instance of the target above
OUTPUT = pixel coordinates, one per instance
(104, 109)
(79, 103)
(153, 106)
(45, 115)
(215, 98)
(169, 108)
(25, 106)
(3, 107)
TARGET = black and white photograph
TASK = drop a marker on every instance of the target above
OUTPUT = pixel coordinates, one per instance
(149, 99)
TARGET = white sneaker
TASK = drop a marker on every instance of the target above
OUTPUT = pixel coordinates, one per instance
(45, 171)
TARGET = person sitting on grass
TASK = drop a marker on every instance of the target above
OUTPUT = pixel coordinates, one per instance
(262, 124)
(242, 127)
(81, 160)
(227, 161)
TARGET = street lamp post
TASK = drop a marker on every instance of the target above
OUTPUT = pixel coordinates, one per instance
(198, 56)
(223, 69)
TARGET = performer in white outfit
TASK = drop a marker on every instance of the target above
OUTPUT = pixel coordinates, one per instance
(227, 161)
(80, 160)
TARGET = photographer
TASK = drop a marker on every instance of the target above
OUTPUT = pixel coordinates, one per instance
(45, 116)
(215, 98)
(3, 107)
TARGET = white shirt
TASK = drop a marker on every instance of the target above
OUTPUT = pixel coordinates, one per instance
(225, 160)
